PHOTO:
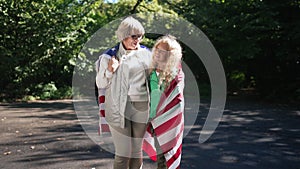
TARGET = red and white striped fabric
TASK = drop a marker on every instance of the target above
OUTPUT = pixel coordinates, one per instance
(168, 125)
(103, 125)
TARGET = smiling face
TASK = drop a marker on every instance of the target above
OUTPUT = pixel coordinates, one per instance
(132, 42)
(161, 53)
(130, 32)
(166, 58)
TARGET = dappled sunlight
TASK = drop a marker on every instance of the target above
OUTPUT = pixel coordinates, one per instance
(48, 134)
(228, 159)
(263, 140)
(249, 135)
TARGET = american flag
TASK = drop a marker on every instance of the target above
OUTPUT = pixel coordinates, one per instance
(168, 125)
(103, 125)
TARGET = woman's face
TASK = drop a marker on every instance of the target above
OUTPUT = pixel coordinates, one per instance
(132, 42)
(161, 53)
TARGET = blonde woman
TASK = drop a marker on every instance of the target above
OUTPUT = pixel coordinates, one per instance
(166, 103)
(124, 78)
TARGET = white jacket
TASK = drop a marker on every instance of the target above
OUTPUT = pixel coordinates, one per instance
(128, 83)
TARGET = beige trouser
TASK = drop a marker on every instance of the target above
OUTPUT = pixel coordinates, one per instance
(128, 141)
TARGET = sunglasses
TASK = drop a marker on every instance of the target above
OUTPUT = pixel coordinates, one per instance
(137, 37)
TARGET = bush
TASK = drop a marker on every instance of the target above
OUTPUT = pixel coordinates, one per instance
(49, 91)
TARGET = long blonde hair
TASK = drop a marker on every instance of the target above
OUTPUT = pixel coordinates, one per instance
(173, 60)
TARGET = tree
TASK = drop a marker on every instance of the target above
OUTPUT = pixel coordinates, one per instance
(39, 40)
(257, 40)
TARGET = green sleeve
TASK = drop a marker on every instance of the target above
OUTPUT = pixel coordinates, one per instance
(155, 94)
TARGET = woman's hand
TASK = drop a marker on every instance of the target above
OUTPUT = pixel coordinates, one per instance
(113, 64)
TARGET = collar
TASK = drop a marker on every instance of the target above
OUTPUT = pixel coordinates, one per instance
(123, 51)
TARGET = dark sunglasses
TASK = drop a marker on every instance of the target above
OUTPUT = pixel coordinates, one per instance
(137, 37)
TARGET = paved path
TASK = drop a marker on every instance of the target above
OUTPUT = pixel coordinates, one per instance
(48, 135)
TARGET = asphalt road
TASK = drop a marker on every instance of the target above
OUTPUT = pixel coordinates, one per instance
(49, 135)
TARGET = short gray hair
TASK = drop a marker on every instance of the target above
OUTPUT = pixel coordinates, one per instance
(129, 26)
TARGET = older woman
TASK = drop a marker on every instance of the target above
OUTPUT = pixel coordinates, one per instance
(126, 99)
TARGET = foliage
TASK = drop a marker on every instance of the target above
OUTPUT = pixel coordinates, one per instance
(258, 42)
(41, 40)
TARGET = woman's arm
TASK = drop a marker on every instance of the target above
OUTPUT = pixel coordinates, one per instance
(103, 76)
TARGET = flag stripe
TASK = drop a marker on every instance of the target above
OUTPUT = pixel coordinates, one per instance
(150, 150)
(103, 125)
(102, 113)
(172, 141)
(175, 156)
(167, 93)
(176, 163)
(174, 102)
(105, 128)
(167, 100)
(168, 125)
(171, 135)
(101, 106)
(102, 120)
(170, 154)
(167, 116)
(102, 99)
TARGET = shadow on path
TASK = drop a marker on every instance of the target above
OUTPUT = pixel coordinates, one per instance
(46, 135)
(250, 135)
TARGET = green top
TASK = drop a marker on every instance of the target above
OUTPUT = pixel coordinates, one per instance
(155, 93)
